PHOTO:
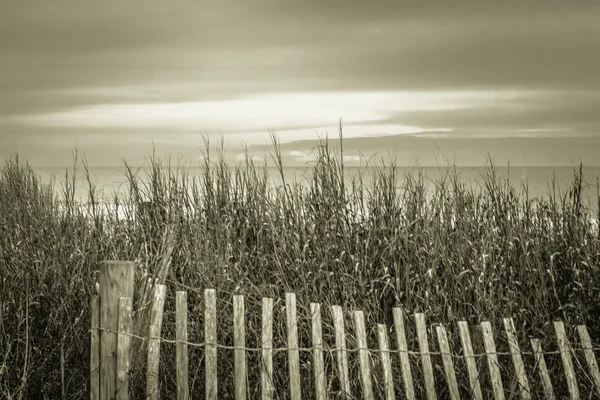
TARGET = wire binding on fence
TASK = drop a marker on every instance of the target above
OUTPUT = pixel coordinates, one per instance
(333, 350)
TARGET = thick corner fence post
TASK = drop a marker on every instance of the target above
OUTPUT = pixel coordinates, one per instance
(115, 281)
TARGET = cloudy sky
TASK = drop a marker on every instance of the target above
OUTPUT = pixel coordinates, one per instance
(418, 80)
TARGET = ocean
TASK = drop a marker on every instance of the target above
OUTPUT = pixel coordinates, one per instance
(111, 180)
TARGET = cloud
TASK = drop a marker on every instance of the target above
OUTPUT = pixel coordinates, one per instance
(299, 46)
(121, 74)
(285, 111)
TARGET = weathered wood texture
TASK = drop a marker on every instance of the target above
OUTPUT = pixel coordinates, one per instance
(492, 358)
(94, 348)
(467, 347)
(386, 362)
(181, 324)
(293, 352)
(341, 355)
(515, 351)
(590, 358)
(363, 355)
(124, 347)
(425, 356)
(448, 362)
(103, 335)
(266, 370)
(318, 359)
(409, 389)
(115, 281)
(210, 340)
(239, 342)
(156, 318)
(565, 355)
(540, 365)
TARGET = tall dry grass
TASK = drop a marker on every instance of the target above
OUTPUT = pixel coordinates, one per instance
(447, 248)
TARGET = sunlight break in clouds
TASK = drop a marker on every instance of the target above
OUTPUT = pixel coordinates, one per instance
(283, 112)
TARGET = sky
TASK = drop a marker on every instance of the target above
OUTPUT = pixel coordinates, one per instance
(420, 81)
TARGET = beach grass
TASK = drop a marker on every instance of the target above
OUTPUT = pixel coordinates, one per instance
(451, 249)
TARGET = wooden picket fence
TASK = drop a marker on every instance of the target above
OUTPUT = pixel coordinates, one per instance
(112, 327)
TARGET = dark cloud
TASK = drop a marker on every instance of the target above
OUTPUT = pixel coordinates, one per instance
(61, 55)
(349, 45)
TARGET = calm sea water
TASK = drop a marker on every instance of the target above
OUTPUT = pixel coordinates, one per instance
(112, 180)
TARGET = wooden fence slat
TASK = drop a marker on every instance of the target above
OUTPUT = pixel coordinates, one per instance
(318, 360)
(425, 356)
(467, 346)
(266, 370)
(590, 358)
(158, 304)
(210, 340)
(515, 351)
(293, 352)
(492, 359)
(181, 336)
(565, 355)
(543, 370)
(341, 355)
(448, 362)
(124, 347)
(116, 280)
(409, 389)
(386, 361)
(239, 342)
(95, 349)
(363, 355)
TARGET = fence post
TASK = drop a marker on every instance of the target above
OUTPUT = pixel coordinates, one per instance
(317, 342)
(409, 389)
(293, 352)
(124, 348)
(467, 345)
(565, 354)
(540, 364)
(210, 338)
(341, 356)
(521, 374)
(266, 370)
(95, 349)
(492, 359)
(115, 281)
(448, 362)
(425, 356)
(181, 329)
(239, 342)
(153, 356)
(586, 343)
(363, 355)
(386, 361)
